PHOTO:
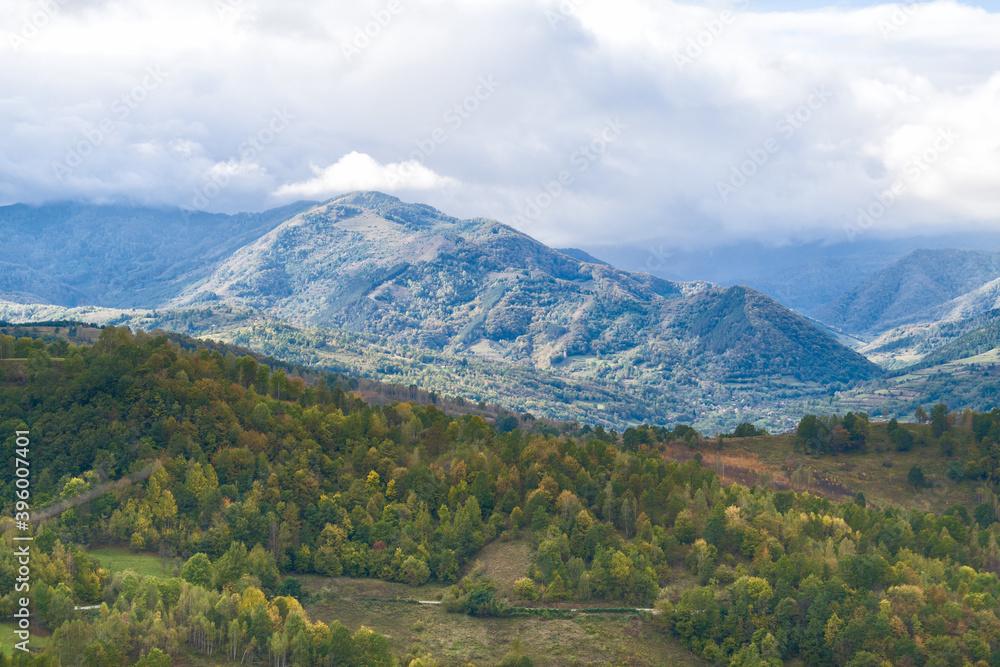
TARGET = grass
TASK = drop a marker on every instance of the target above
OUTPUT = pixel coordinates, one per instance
(116, 559)
(8, 639)
(880, 473)
(456, 639)
(505, 563)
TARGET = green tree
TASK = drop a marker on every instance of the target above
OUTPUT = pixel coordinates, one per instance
(198, 571)
(415, 571)
(556, 591)
(916, 477)
(371, 649)
(155, 658)
(939, 420)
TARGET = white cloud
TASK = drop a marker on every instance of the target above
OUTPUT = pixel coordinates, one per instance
(359, 171)
(390, 110)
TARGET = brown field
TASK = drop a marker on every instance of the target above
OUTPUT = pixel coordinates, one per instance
(880, 473)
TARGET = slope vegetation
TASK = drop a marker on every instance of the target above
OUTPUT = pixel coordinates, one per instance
(912, 289)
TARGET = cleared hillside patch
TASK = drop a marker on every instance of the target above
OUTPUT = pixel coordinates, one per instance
(117, 559)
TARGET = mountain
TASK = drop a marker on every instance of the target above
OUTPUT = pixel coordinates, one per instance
(809, 286)
(978, 341)
(367, 262)
(124, 256)
(581, 255)
(367, 284)
(922, 286)
(804, 276)
(764, 338)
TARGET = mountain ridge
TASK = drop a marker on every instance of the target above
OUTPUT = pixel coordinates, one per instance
(433, 292)
(369, 263)
(912, 289)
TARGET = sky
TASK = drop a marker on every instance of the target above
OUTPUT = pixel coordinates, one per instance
(580, 122)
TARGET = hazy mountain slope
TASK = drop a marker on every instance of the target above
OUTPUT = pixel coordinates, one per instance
(25, 284)
(910, 289)
(980, 300)
(117, 255)
(581, 255)
(809, 286)
(367, 262)
(976, 342)
(760, 337)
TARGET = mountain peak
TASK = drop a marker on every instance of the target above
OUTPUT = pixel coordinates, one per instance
(365, 199)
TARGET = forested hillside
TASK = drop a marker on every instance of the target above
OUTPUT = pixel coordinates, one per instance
(144, 256)
(265, 479)
(426, 294)
(912, 289)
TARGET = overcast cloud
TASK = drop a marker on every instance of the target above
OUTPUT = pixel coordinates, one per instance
(581, 122)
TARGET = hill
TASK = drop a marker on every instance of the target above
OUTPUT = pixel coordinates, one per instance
(915, 288)
(977, 342)
(808, 287)
(369, 283)
(762, 338)
(115, 255)
(581, 255)
(301, 513)
(913, 344)
(369, 263)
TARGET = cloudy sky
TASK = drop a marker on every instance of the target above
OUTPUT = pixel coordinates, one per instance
(580, 122)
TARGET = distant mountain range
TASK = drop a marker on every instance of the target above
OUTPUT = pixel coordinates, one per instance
(418, 279)
(122, 256)
(367, 262)
(922, 286)
(368, 283)
(896, 302)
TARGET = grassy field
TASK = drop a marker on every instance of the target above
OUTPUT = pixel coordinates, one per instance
(116, 559)
(456, 639)
(8, 639)
(880, 473)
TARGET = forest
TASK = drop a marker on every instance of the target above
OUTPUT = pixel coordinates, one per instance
(259, 477)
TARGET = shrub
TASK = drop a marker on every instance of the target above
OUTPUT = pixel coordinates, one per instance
(525, 589)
